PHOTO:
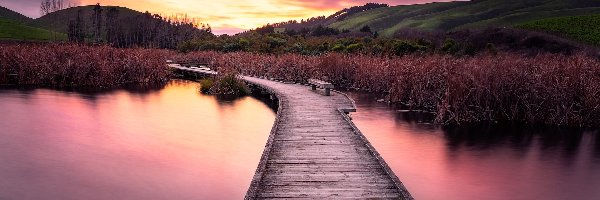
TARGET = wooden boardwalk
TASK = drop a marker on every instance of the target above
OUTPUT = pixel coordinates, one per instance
(315, 151)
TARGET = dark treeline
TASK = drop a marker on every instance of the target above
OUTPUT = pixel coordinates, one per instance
(322, 40)
(106, 25)
(342, 14)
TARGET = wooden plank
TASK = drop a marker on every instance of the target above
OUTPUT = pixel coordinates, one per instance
(330, 195)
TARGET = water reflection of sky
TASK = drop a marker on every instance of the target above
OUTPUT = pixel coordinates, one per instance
(170, 143)
(482, 162)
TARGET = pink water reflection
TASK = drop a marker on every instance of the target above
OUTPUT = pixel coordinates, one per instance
(482, 164)
(172, 143)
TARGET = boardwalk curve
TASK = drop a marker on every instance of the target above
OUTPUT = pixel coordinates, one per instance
(315, 151)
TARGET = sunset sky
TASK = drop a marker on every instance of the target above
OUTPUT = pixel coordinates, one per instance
(225, 16)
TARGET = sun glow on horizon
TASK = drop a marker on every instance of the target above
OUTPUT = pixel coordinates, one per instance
(228, 16)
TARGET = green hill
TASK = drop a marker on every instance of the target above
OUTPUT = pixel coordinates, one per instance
(120, 26)
(459, 15)
(6, 13)
(13, 30)
(584, 28)
(13, 27)
(59, 20)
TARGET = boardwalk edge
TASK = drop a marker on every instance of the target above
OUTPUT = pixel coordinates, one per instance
(405, 194)
(262, 165)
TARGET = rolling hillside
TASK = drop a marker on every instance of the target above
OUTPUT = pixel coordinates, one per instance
(13, 27)
(459, 15)
(13, 30)
(585, 28)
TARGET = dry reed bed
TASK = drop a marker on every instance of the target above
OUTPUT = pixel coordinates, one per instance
(544, 89)
(70, 65)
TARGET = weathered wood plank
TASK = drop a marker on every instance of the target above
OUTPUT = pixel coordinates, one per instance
(330, 195)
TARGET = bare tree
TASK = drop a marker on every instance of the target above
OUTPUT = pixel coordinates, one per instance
(49, 6)
(97, 23)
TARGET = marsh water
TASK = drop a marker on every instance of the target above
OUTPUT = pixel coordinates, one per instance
(169, 143)
(492, 163)
(175, 143)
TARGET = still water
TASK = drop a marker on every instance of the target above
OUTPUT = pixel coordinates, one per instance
(175, 143)
(169, 143)
(482, 163)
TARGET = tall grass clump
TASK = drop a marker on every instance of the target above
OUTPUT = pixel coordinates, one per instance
(226, 84)
(551, 89)
(206, 84)
(70, 65)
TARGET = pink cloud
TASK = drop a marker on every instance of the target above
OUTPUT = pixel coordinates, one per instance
(29, 8)
(227, 30)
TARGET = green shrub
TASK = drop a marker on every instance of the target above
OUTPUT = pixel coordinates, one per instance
(450, 46)
(296, 48)
(376, 49)
(338, 48)
(354, 48)
(426, 43)
(206, 84)
(276, 41)
(186, 47)
(245, 43)
(232, 47)
(404, 47)
(323, 47)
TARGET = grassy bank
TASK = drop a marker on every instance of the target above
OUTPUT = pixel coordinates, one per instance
(67, 65)
(544, 89)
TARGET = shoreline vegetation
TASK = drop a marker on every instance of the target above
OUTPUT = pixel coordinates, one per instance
(72, 65)
(550, 89)
(496, 87)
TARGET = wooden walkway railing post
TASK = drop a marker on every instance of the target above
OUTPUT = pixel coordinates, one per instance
(314, 83)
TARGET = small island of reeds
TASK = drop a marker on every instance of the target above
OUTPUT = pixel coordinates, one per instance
(224, 85)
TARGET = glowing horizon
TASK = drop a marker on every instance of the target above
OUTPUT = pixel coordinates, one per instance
(225, 16)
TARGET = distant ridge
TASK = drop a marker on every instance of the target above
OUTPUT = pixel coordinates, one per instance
(447, 16)
(59, 21)
(6, 13)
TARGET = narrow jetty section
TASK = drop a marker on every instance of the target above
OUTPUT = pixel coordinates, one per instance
(315, 151)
